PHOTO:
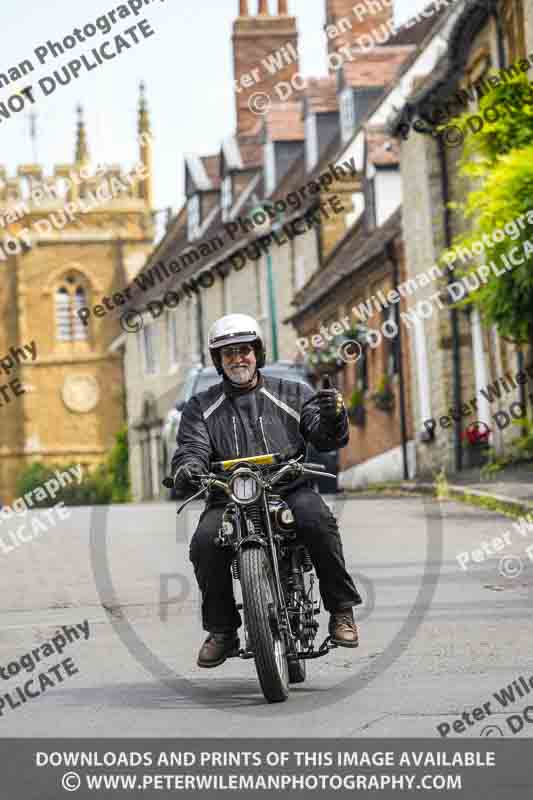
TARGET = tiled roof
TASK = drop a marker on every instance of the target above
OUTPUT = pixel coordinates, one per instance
(377, 67)
(416, 34)
(355, 250)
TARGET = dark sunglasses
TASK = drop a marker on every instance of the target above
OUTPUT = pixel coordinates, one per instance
(232, 351)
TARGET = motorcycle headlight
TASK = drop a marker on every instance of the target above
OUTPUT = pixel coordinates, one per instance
(245, 487)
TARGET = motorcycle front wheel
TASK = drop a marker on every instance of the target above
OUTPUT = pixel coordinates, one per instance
(261, 612)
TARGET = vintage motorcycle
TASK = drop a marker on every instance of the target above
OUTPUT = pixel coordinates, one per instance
(273, 567)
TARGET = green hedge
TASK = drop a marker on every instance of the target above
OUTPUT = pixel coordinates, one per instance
(107, 483)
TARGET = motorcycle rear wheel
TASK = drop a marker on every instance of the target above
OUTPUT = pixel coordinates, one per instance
(259, 604)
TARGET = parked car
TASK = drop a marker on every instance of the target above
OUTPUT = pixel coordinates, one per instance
(201, 378)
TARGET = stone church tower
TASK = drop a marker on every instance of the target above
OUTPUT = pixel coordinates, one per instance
(66, 241)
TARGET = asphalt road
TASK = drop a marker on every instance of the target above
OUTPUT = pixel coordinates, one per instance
(435, 640)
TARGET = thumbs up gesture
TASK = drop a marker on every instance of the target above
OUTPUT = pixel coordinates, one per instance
(330, 401)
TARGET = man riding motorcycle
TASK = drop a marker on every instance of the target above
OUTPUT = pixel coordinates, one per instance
(246, 415)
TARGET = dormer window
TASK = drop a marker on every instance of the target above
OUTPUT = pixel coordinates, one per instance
(226, 197)
(193, 216)
(311, 141)
(347, 114)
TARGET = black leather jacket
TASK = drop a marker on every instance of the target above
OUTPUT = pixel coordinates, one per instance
(224, 422)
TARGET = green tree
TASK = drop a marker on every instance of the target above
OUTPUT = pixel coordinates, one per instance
(498, 159)
(117, 463)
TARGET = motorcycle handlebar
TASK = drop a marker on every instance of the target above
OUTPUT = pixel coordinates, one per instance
(307, 468)
(321, 474)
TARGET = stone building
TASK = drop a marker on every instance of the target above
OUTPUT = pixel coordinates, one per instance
(298, 160)
(454, 355)
(362, 255)
(448, 357)
(221, 189)
(69, 240)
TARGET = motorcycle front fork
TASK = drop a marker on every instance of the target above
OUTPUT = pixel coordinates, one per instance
(247, 652)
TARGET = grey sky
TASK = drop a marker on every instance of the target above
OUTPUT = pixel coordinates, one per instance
(186, 65)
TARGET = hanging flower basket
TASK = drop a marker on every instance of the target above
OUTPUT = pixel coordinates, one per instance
(331, 358)
(384, 397)
(358, 333)
(324, 361)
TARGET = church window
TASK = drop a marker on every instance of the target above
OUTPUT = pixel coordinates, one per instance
(69, 298)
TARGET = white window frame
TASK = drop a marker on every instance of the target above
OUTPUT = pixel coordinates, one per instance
(193, 216)
(149, 333)
(300, 277)
(226, 197)
(347, 114)
(67, 302)
(311, 141)
(62, 315)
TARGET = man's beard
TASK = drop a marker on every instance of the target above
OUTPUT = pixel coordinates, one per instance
(241, 374)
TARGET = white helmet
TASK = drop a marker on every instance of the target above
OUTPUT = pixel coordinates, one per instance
(235, 329)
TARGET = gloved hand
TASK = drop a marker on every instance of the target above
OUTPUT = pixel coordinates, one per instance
(330, 402)
(331, 405)
(187, 475)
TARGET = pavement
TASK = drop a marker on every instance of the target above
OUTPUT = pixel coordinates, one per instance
(514, 483)
(437, 640)
(511, 486)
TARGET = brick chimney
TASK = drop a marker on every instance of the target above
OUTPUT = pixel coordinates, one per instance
(353, 19)
(268, 45)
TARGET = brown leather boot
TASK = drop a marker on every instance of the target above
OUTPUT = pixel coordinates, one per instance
(217, 648)
(342, 628)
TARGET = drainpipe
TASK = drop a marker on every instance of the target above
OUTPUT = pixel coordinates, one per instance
(200, 326)
(522, 387)
(391, 255)
(271, 288)
(272, 308)
(454, 313)
(499, 35)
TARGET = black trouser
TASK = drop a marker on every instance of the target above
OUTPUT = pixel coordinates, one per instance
(317, 529)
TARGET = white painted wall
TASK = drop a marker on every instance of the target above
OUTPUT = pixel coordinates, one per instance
(388, 189)
(385, 467)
